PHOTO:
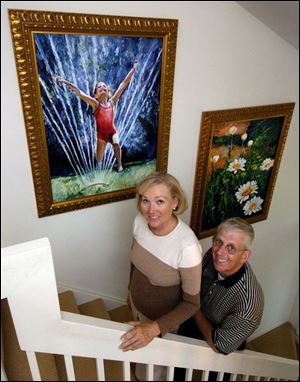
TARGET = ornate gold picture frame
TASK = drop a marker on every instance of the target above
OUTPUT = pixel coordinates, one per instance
(96, 93)
(238, 160)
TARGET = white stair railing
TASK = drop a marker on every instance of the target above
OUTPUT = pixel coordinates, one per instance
(28, 282)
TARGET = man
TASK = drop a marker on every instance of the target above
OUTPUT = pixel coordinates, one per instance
(231, 298)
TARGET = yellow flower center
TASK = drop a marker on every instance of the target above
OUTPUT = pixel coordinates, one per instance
(246, 192)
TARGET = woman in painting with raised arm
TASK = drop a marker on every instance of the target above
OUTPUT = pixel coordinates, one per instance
(104, 111)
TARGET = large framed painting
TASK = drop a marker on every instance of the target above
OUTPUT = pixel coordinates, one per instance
(239, 154)
(96, 93)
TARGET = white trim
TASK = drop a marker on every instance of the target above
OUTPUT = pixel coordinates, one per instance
(28, 282)
(3, 374)
(33, 365)
(85, 295)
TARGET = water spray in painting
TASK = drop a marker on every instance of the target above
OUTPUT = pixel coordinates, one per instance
(70, 128)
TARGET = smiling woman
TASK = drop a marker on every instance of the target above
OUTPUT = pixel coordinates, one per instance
(157, 207)
(160, 200)
(165, 266)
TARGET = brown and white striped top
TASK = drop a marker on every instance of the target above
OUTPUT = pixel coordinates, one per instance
(166, 274)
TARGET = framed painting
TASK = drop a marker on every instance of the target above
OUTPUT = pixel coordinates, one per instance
(96, 93)
(239, 154)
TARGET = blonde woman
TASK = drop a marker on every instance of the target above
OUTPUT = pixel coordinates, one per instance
(164, 288)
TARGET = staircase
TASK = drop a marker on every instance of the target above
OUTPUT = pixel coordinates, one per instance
(279, 341)
(52, 367)
(63, 341)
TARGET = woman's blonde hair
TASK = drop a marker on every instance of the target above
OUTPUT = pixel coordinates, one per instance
(172, 184)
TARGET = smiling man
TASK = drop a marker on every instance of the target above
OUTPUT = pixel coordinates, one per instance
(231, 298)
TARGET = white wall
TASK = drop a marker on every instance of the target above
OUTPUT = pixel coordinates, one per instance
(225, 59)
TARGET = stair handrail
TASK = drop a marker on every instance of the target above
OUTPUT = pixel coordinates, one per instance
(28, 282)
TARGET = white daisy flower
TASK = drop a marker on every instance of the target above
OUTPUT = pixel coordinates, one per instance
(237, 165)
(267, 164)
(244, 191)
(253, 205)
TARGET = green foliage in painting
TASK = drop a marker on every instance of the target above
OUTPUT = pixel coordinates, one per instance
(239, 170)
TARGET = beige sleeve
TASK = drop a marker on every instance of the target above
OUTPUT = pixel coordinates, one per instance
(190, 302)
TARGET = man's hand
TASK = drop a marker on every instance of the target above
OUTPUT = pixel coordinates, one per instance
(206, 328)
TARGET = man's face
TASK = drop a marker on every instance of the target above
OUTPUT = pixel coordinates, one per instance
(229, 252)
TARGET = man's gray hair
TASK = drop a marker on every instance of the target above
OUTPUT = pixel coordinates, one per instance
(238, 224)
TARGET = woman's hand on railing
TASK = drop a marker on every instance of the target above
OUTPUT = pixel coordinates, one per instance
(140, 335)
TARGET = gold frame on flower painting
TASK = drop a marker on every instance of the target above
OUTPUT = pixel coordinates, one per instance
(84, 49)
(238, 160)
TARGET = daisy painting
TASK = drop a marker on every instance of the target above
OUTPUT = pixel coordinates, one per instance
(238, 160)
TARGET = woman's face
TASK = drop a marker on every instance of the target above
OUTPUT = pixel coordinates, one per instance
(101, 90)
(157, 206)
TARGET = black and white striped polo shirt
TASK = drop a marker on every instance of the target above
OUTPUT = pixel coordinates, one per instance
(233, 305)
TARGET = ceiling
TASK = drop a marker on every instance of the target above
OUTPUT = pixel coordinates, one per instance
(280, 16)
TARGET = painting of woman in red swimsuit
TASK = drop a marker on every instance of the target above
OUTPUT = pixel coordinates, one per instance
(102, 113)
(103, 106)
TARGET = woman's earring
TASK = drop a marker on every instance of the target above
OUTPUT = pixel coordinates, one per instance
(175, 208)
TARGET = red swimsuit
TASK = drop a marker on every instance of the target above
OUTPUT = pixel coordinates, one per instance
(105, 122)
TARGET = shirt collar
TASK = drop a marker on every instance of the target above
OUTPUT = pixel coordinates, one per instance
(233, 279)
(228, 281)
